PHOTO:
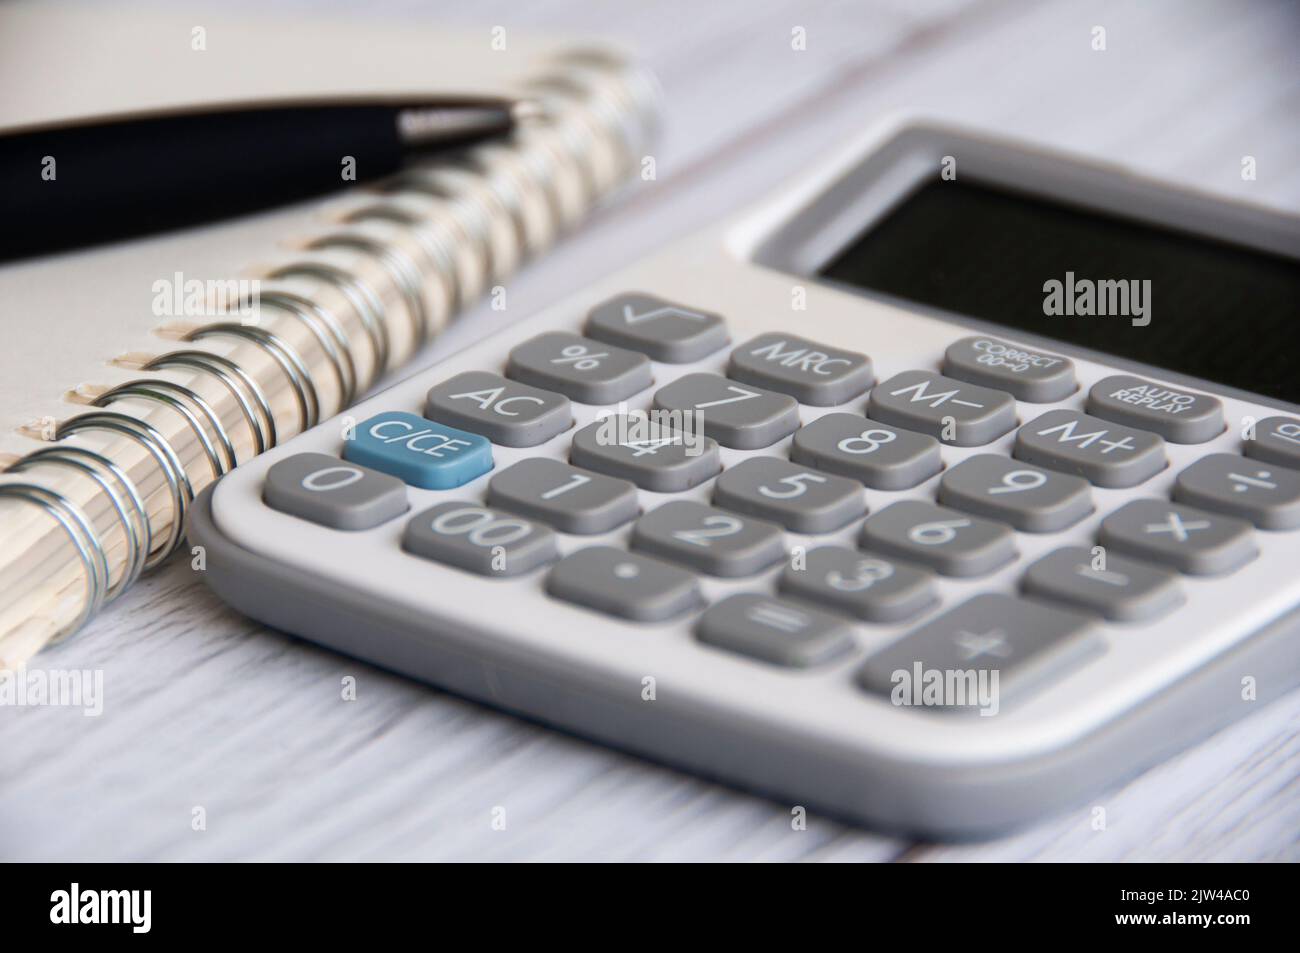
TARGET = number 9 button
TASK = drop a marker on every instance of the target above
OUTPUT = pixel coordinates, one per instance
(1029, 498)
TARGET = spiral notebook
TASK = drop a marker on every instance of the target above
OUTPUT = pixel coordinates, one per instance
(135, 374)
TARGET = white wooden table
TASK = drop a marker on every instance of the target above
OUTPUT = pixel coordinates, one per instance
(207, 709)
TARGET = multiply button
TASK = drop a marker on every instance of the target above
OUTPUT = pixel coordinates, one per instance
(661, 329)
(964, 415)
(506, 412)
(1027, 374)
(1103, 453)
(1190, 540)
(418, 451)
(809, 372)
(1179, 416)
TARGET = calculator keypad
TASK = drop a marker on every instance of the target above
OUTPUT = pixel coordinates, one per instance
(800, 499)
(1193, 541)
(1180, 416)
(624, 584)
(325, 490)
(811, 373)
(949, 542)
(487, 541)
(579, 368)
(654, 457)
(663, 330)
(1031, 499)
(1106, 454)
(957, 413)
(506, 412)
(740, 416)
(774, 631)
(708, 539)
(881, 457)
(964, 528)
(564, 497)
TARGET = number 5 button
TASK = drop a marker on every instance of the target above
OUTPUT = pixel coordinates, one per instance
(800, 499)
(709, 540)
(948, 541)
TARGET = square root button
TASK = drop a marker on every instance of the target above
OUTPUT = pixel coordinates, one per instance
(957, 413)
(662, 330)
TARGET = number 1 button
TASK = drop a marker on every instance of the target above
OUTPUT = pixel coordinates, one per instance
(571, 500)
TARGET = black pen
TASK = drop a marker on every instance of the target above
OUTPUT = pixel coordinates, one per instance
(78, 184)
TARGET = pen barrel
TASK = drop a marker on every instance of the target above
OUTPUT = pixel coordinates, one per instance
(382, 276)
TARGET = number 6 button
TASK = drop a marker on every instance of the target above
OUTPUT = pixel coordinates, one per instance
(950, 542)
(800, 499)
(709, 540)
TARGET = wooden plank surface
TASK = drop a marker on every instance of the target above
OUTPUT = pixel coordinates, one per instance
(204, 708)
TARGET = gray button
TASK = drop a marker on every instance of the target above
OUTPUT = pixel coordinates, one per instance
(1276, 440)
(961, 414)
(1267, 495)
(1024, 642)
(809, 372)
(624, 584)
(1180, 416)
(1029, 498)
(718, 543)
(506, 412)
(1025, 373)
(569, 499)
(1193, 541)
(580, 368)
(867, 587)
(1103, 453)
(653, 456)
(947, 541)
(1123, 590)
(882, 457)
(736, 415)
(800, 499)
(664, 330)
(329, 491)
(775, 631)
(482, 540)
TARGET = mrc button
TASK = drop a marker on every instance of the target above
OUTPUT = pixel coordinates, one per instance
(420, 452)
(1180, 416)
(809, 372)
(1033, 376)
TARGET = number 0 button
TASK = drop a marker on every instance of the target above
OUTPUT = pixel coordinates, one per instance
(479, 539)
(325, 490)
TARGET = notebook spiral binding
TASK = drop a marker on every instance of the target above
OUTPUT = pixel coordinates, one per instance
(497, 204)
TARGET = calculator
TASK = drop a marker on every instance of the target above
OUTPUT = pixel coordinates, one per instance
(946, 489)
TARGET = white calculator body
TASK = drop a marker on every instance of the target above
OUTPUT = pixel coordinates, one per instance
(922, 543)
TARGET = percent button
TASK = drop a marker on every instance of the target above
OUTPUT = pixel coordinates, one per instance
(582, 369)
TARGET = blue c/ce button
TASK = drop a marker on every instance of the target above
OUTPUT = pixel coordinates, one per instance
(418, 451)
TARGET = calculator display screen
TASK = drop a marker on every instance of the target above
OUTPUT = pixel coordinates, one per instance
(1220, 312)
